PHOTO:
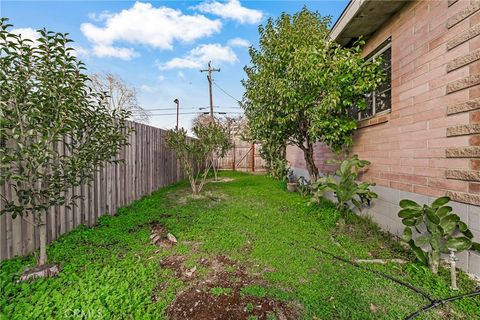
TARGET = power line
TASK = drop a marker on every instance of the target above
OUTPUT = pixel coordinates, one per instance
(171, 114)
(228, 94)
(187, 108)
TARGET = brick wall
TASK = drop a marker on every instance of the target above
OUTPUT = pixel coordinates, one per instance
(430, 142)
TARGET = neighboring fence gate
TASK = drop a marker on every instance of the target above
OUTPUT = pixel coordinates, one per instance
(242, 157)
(149, 164)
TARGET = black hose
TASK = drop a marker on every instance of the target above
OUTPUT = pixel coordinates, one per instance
(433, 303)
(439, 303)
(384, 275)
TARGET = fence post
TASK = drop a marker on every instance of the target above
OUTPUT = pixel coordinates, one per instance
(233, 162)
(253, 157)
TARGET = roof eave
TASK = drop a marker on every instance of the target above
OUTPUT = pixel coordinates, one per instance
(363, 18)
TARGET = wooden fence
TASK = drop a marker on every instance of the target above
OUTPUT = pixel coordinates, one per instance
(149, 164)
(242, 157)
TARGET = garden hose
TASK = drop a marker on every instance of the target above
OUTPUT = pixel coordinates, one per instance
(439, 303)
(433, 302)
(384, 275)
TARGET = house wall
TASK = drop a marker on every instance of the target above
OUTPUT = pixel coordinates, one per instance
(429, 145)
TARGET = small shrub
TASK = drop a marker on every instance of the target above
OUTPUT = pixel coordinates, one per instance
(438, 230)
(189, 150)
(279, 169)
(304, 186)
(215, 138)
(344, 186)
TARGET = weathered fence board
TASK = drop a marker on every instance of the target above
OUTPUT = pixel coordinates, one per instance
(148, 165)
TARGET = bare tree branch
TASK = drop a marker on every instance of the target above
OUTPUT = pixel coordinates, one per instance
(120, 95)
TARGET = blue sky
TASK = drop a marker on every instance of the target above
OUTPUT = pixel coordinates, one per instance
(158, 47)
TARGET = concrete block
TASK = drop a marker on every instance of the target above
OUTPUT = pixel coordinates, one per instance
(464, 83)
(474, 263)
(466, 175)
(469, 105)
(461, 209)
(463, 14)
(463, 37)
(474, 217)
(462, 262)
(463, 60)
(469, 198)
(387, 194)
(465, 129)
(476, 234)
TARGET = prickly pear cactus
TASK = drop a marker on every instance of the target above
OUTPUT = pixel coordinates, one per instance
(433, 230)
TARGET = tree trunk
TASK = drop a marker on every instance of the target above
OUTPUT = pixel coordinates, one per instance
(311, 166)
(194, 188)
(214, 170)
(42, 229)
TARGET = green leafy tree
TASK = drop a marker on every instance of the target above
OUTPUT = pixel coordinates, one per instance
(301, 85)
(272, 151)
(214, 134)
(46, 105)
(344, 185)
(431, 230)
(189, 152)
(274, 154)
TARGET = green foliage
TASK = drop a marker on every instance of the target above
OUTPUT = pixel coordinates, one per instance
(345, 186)
(279, 169)
(433, 230)
(254, 290)
(46, 105)
(113, 271)
(301, 85)
(190, 152)
(272, 151)
(215, 139)
(304, 187)
(219, 291)
(212, 140)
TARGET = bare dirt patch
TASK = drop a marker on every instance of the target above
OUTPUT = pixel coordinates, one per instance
(183, 198)
(159, 236)
(219, 295)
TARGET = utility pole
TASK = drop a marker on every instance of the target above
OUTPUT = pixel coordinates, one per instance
(177, 102)
(210, 80)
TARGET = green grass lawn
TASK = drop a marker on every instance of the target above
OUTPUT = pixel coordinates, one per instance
(247, 240)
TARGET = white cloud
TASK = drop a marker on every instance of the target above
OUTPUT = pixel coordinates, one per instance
(32, 34)
(102, 16)
(80, 51)
(27, 33)
(101, 50)
(146, 25)
(239, 42)
(200, 55)
(181, 76)
(232, 9)
(161, 77)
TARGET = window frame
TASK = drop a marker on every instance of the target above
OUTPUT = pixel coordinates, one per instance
(387, 44)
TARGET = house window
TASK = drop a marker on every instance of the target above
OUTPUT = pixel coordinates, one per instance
(380, 101)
